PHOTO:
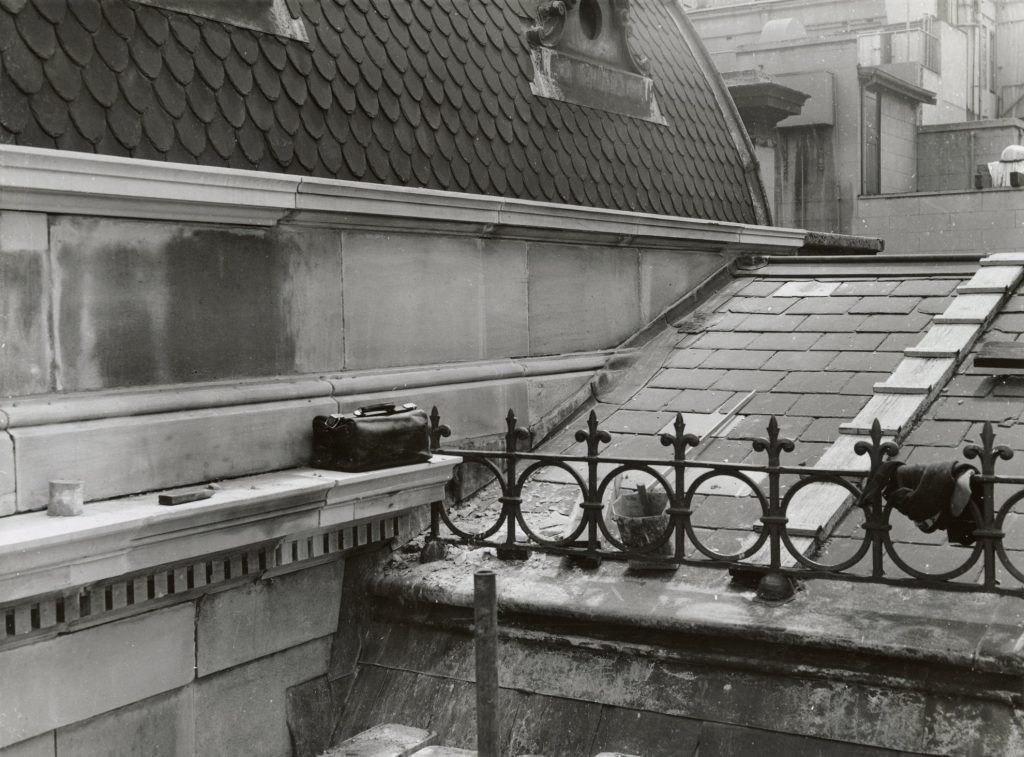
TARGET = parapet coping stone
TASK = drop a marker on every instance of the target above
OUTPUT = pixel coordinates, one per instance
(40, 554)
(60, 181)
(975, 632)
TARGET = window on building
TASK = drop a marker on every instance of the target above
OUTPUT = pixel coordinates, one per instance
(582, 53)
(871, 152)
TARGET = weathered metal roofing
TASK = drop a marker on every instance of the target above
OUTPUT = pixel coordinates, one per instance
(431, 93)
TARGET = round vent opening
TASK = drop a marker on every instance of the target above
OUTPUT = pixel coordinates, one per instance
(590, 18)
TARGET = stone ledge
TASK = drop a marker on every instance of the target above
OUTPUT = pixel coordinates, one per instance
(59, 181)
(893, 625)
(41, 555)
(119, 403)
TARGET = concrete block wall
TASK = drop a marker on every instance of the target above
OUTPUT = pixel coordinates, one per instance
(208, 676)
(937, 223)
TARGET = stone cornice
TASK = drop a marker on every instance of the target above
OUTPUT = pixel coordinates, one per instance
(42, 555)
(57, 181)
(118, 403)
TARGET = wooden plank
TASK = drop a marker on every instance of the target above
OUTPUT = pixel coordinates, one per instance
(970, 308)
(916, 375)
(1000, 355)
(894, 412)
(945, 340)
(995, 279)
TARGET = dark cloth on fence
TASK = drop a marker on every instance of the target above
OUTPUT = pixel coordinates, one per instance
(934, 496)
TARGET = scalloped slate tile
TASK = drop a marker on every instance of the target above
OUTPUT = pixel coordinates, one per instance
(427, 93)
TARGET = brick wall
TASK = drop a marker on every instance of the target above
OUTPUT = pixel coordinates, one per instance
(984, 221)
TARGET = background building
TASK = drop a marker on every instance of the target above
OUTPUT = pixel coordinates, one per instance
(903, 97)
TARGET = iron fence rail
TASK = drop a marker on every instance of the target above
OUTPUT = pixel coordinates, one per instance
(771, 552)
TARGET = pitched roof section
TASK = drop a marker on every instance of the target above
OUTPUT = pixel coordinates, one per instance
(431, 93)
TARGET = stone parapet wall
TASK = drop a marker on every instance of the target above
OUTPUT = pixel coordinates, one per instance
(936, 223)
(140, 630)
(131, 277)
(205, 676)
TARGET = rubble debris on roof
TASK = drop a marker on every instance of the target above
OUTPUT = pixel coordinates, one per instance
(432, 93)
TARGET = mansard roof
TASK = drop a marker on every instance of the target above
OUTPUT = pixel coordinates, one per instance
(423, 93)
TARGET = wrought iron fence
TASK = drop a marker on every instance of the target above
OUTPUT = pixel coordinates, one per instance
(771, 554)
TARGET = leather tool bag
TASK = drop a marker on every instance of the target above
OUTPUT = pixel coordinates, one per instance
(379, 436)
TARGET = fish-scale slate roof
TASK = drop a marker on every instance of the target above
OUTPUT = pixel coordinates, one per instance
(425, 93)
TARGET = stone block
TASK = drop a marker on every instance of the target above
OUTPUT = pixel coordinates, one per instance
(253, 621)
(122, 455)
(161, 726)
(241, 712)
(314, 709)
(667, 276)
(25, 353)
(1009, 240)
(57, 682)
(719, 738)
(448, 278)
(144, 303)
(40, 746)
(8, 488)
(581, 298)
(391, 740)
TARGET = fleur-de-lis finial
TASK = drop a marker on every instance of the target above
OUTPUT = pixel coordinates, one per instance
(513, 433)
(877, 450)
(988, 452)
(774, 445)
(593, 436)
(437, 430)
(680, 440)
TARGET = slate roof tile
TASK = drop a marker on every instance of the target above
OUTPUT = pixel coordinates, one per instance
(89, 117)
(23, 66)
(153, 23)
(112, 48)
(15, 114)
(37, 31)
(436, 72)
(88, 13)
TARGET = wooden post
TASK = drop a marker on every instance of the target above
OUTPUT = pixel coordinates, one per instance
(486, 638)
